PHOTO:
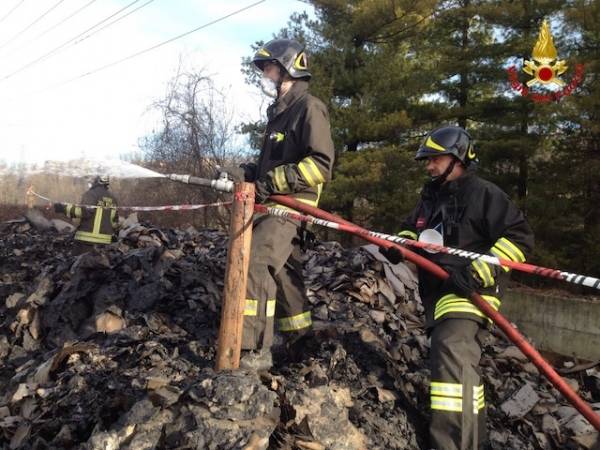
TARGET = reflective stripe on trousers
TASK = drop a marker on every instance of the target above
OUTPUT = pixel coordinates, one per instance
(449, 397)
(457, 393)
(275, 285)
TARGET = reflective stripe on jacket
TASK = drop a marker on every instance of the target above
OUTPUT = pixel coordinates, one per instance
(474, 215)
(97, 224)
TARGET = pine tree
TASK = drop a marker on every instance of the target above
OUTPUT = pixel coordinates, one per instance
(569, 185)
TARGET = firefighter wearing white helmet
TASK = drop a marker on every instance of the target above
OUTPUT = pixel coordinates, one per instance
(464, 211)
(97, 224)
(296, 159)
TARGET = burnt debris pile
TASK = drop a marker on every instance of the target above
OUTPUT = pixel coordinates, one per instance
(116, 349)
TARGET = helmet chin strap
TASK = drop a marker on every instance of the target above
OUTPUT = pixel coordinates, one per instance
(441, 179)
(279, 81)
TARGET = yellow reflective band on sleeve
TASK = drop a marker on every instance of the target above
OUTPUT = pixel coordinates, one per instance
(451, 303)
(72, 211)
(478, 399)
(271, 308)
(499, 254)
(511, 250)
(294, 323)
(306, 173)
(94, 238)
(251, 307)
(446, 404)
(279, 179)
(483, 270)
(319, 192)
(446, 389)
(311, 173)
(408, 234)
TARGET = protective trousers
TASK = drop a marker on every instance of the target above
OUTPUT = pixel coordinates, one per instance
(275, 285)
(457, 396)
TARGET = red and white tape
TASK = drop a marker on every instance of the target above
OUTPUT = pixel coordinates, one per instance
(141, 208)
(573, 278)
(569, 277)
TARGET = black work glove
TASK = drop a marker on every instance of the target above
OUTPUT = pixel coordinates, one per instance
(463, 281)
(249, 171)
(58, 207)
(262, 190)
(392, 254)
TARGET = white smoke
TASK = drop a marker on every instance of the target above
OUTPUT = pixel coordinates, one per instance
(79, 168)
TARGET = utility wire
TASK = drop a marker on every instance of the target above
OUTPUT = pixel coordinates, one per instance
(11, 11)
(61, 22)
(141, 52)
(31, 24)
(69, 41)
(111, 23)
(206, 25)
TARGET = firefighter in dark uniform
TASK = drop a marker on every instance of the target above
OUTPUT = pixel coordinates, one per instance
(97, 225)
(467, 212)
(296, 159)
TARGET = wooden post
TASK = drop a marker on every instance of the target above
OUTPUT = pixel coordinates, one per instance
(236, 276)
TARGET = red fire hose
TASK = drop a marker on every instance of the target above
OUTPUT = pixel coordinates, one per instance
(512, 333)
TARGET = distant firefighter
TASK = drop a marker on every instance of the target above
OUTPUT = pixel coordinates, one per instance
(97, 225)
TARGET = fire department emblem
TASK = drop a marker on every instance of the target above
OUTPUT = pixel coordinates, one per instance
(545, 67)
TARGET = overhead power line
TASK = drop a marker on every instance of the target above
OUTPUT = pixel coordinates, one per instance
(73, 40)
(43, 33)
(31, 24)
(206, 25)
(11, 11)
(154, 47)
(113, 22)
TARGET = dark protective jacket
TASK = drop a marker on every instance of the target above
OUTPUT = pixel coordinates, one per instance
(97, 224)
(297, 153)
(475, 215)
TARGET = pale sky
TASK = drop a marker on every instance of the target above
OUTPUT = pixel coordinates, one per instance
(45, 116)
